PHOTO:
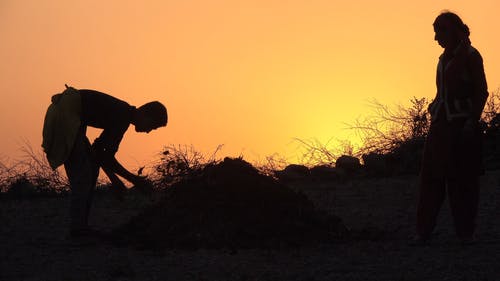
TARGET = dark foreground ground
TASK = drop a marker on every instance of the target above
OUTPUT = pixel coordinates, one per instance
(380, 212)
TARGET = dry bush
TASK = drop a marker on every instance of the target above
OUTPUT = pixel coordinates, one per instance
(383, 131)
(180, 161)
(32, 170)
(387, 128)
(316, 153)
(8, 174)
(271, 164)
(491, 112)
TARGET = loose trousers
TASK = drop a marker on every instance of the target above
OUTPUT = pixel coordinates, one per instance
(82, 171)
(451, 165)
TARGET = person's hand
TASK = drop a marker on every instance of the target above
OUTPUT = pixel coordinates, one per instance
(469, 129)
(143, 184)
(137, 179)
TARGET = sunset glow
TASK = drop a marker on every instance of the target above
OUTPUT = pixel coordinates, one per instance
(251, 75)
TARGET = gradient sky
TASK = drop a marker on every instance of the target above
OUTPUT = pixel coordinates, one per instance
(252, 75)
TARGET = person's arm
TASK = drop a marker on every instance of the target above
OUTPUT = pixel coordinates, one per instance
(112, 167)
(432, 107)
(480, 87)
(115, 180)
(479, 93)
(105, 148)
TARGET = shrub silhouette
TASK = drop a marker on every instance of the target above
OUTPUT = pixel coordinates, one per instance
(388, 128)
(178, 162)
(32, 172)
(393, 138)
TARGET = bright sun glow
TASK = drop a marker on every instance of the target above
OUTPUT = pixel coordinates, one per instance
(252, 75)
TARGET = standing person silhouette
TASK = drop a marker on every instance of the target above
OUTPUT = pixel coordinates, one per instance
(65, 142)
(452, 155)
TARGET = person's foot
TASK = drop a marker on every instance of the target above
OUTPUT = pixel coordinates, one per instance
(419, 241)
(144, 186)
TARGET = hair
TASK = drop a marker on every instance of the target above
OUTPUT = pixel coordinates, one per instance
(451, 22)
(156, 111)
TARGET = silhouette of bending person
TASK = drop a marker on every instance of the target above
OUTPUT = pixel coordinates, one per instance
(452, 155)
(65, 142)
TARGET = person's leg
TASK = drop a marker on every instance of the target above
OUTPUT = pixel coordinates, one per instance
(432, 186)
(79, 169)
(464, 199)
(94, 175)
(463, 189)
(431, 197)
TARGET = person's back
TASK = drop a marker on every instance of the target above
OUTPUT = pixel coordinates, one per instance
(100, 110)
(103, 111)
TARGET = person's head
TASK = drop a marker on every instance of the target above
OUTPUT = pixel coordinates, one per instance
(450, 30)
(150, 116)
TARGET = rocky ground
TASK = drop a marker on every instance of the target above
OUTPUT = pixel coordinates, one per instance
(379, 212)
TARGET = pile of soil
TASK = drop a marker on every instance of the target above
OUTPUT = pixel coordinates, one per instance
(230, 205)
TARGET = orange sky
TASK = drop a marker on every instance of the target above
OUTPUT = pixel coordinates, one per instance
(251, 75)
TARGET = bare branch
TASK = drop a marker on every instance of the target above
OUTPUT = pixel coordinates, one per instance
(386, 128)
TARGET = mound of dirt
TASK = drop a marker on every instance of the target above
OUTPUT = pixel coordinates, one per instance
(230, 205)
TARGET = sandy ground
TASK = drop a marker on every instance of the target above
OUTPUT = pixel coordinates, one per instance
(34, 244)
